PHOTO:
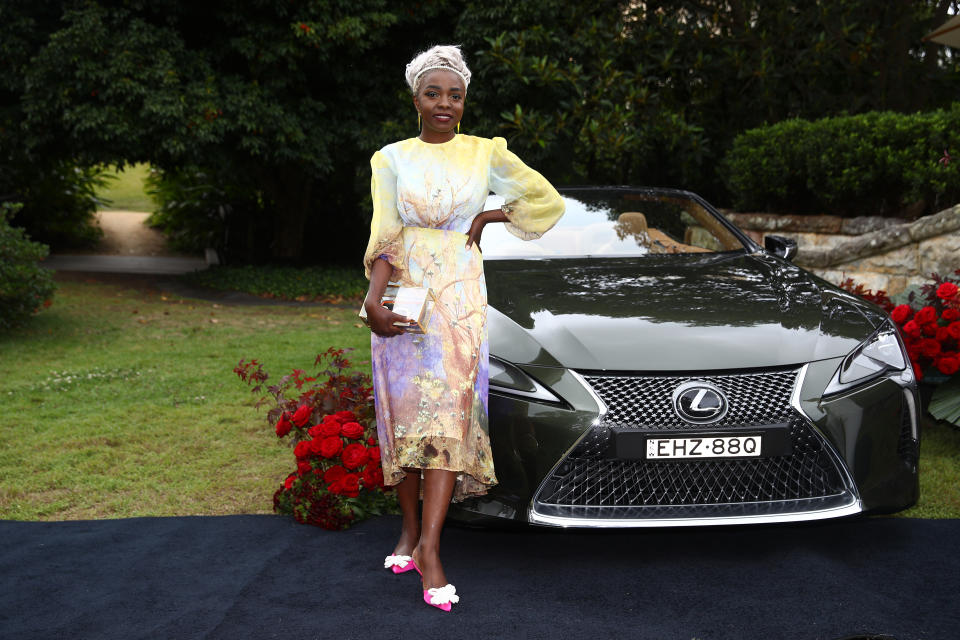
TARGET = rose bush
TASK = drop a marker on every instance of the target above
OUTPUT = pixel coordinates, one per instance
(331, 422)
(930, 327)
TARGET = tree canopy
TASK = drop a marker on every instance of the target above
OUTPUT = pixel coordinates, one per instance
(280, 104)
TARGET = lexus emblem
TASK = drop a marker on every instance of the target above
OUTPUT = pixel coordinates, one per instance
(699, 402)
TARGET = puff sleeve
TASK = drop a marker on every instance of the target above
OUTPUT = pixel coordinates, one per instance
(386, 227)
(532, 204)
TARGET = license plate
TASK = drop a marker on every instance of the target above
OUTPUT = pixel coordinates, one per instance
(704, 447)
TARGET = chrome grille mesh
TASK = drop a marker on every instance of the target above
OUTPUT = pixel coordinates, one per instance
(589, 478)
(590, 483)
(755, 398)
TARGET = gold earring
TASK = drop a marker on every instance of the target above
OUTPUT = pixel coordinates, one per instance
(458, 127)
(419, 126)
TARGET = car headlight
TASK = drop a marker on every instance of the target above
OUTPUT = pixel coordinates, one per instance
(508, 379)
(882, 352)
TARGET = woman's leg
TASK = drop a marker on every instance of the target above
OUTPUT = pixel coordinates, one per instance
(437, 491)
(408, 496)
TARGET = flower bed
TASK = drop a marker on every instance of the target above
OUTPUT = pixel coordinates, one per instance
(930, 328)
(331, 422)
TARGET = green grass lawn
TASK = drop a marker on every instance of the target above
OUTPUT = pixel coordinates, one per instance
(119, 402)
(124, 189)
(939, 472)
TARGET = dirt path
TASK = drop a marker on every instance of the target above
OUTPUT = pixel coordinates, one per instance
(126, 234)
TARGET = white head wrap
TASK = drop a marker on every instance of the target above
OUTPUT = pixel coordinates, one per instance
(446, 57)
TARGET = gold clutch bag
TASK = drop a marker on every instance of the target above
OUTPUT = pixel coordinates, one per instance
(415, 303)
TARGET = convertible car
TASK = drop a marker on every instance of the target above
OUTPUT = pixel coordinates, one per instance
(651, 365)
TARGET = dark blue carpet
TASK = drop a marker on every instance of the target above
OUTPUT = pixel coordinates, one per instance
(239, 577)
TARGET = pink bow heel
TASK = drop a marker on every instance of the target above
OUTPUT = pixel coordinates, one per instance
(442, 598)
(400, 564)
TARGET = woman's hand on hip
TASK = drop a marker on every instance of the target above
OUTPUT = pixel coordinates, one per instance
(479, 222)
(476, 230)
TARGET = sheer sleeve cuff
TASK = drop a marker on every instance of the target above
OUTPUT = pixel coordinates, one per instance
(388, 248)
(515, 221)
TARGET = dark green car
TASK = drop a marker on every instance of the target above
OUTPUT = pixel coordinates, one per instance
(651, 365)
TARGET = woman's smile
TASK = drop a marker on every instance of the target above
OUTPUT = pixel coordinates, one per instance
(440, 103)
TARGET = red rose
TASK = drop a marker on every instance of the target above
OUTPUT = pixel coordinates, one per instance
(943, 334)
(954, 330)
(948, 365)
(315, 446)
(372, 477)
(326, 429)
(352, 430)
(283, 425)
(302, 414)
(330, 419)
(950, 314)
(901, 313)
(334, 473)
(947, 291)
(929, 347)
(913, 350)
(926, 316)
(289, 481)
(354, 455)
(314, 431)
(346, 416)
(372, 440)
(917, 371)
(350, 485)
(330, 447)
(912, 329)
(373, 453)
(302, 450)
(930, 329)
(303, 467)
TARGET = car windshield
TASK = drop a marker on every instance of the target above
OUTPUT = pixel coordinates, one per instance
(617, 223)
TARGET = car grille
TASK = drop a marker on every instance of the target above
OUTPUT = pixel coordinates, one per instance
(755, 398)
(590, 483)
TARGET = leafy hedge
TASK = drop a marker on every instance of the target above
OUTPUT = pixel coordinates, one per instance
(877, 163)
(25, 286)
(317, 284)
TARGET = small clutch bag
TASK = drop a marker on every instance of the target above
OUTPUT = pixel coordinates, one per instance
(415, 303)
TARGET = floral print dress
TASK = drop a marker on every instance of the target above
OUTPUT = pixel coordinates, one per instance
(431, 389)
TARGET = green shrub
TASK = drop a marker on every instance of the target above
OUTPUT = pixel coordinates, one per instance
(190, 208)
(201, 207)
(25, 286)
(877, 163)
(59, 201)
(316, 283)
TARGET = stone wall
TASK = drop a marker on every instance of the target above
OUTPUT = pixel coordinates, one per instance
(881, 253)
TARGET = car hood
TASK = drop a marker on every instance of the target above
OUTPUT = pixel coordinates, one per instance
(670, 313)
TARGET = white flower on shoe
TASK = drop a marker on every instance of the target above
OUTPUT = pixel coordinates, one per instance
(444, 594)
(398, 561)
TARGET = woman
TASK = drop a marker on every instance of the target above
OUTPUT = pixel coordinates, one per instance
(431, 389)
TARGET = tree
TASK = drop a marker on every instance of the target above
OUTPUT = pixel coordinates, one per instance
(57, 195)
(284, 100)
(654, 92)
(277, 105)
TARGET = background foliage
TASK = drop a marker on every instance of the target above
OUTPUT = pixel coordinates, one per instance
(878, 163)
(25, 286)
(279, 105)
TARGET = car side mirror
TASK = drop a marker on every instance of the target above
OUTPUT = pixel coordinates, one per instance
(786, 248)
